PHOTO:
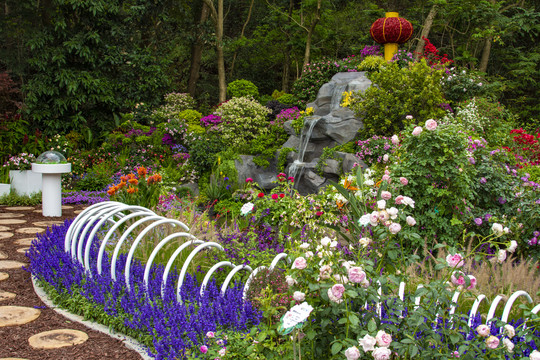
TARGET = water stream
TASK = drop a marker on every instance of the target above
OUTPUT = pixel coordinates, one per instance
(296, 169)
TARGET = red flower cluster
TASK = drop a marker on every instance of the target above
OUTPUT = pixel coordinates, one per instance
(431, 54)
(527, 149)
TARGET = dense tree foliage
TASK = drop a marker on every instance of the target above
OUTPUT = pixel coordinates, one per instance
(82, 63)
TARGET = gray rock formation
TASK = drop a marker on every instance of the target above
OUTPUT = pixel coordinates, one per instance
(330, 125)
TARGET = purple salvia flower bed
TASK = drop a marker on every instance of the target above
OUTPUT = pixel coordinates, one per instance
(174, 327)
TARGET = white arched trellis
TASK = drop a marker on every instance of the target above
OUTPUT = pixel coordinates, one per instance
(127, 220)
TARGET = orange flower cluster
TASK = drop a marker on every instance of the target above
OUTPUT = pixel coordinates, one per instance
(131, 181)
(153, 179)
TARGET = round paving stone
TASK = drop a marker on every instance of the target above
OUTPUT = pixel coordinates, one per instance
(78, 211)
(10, 264)
(4, 228)
(67, 207)
(23, 250)
(3, 255)
(10, 215)
(38, 211)
(11, 221)
(17, 315)
(5, 235)
(48, 223)
(3, 276)
(5, 295)
(20, 208)
(25, 242)
(30, 230)
(54, 339)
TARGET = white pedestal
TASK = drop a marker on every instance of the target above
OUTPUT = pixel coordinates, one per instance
(25, 182)
(51, 195)
(4, 189)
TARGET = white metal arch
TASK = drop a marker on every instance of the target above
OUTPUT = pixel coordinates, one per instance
(231, 274)
(210, 272)
(141, 235)
(171, 262)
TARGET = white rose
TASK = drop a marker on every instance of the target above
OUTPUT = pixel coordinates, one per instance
(365, 241)
(385, 158)
(535, 355)
(393, 212)
(509, 331)
(508, 344)
(411, 221)
(304, 246)
(513, 246)
(497, 228)
(501, 256)
(325, 241)
(364, 220)
(381, 204)
(299, 296)
(367, 342)
(290, 280)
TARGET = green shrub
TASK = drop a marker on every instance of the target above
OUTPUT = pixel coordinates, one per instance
(372, 63)
(440, 180)
(14, 199)
(241, 88)
(397, 93)
(288, 99)
(244, 120)
(203, 152)
(314, 76)
(191, 117)
(265, 146)
(175, 103)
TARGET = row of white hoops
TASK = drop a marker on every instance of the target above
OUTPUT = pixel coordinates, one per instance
(117, 214)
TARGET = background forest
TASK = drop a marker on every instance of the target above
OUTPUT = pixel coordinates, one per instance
(78, 65)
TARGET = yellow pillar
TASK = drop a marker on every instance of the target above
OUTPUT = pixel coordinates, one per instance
(390, 48)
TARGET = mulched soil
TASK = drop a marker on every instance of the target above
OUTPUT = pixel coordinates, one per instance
(14, 339)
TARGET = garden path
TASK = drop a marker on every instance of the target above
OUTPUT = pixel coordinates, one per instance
(24, 319)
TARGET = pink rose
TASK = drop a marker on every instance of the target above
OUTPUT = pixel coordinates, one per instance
(473, 282)
(417, 131)
(455, 261)
(399, 199)
(403, 181)
(352, 353)
(394, 228)
(492, 342)
(483, 330)
(335, 293)
(411, 221)
(386, 178)
(395, 139)
(299, 296)
(210, 334)
(431, 124)
(356, 275)
(382, 353)
(368, 343)
(204, 349)
(383, 339)
(457, 278)
(325, 272)
(386, 195)
(299, 263)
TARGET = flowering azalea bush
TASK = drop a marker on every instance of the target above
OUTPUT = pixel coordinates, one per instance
(23, 161)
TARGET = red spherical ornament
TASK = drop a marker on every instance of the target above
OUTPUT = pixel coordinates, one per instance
(391, 30)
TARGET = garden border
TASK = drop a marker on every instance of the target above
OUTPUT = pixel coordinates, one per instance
(128, 341)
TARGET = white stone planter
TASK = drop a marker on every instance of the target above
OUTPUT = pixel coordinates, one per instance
(25, 182)
(4, 189)
(51, 196)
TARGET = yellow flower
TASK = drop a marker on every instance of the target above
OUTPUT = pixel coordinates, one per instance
(346, 102)
(309, 111)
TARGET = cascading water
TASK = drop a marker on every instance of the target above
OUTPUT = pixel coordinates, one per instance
(296, 169)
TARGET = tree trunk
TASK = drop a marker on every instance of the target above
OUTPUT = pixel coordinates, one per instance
(196, 54)
(220, 57)
(287, 54)
(217, 17)
(311, 30)
(241, 36)
(485, 54)
(425, 32)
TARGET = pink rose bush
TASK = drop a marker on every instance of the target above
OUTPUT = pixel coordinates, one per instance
(431, 125)
(455, 260)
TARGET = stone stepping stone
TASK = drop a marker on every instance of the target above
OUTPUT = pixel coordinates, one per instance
(3, 276)
(3, 255)
(10, 215)
(20, 208)
(38, 211)
(17, 315)
(5, 235)
(24, 242)
(11, 221)
(55, 339)
(6, 295)
(48, 223)
(4, 228)
(23, 250)
(10, 264)
(30, 230)
(78, 211)
(67, 207)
